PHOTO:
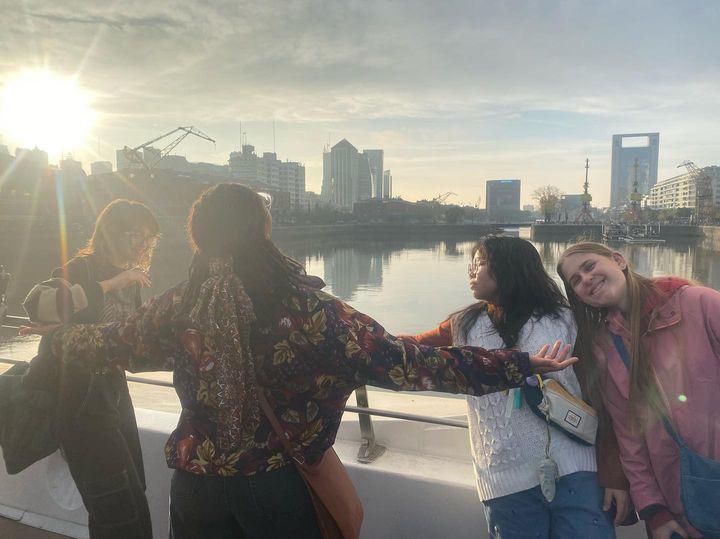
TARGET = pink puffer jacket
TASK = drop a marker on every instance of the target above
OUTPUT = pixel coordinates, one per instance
(683, 339)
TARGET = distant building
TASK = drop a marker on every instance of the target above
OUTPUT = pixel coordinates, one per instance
(100, 167)
(326, 190)
(375, 160)
(154, 160)
(392, 210)
(348, 178)
(286, 177)
(387, 184)
(679, 191)
(502, 199)
(625, 150)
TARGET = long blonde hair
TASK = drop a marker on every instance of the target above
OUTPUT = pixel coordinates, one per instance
(110, 242)
(644, 392)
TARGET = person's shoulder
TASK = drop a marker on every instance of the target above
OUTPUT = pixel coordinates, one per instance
(692, 294)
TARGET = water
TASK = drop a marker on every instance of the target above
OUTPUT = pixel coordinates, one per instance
(408, 286)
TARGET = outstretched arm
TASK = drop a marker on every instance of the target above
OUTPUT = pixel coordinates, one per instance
(372, 356)
(145, 341)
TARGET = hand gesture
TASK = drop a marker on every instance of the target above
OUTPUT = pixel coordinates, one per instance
(38, 329)
(669, 530)
(553, 360)
(622, 503)
(125, 279)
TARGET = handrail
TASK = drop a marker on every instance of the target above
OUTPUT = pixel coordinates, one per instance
(368, 437)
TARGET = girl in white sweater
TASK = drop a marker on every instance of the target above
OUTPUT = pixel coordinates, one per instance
(520, 306)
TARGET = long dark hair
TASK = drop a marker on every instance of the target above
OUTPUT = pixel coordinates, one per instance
(231, 219)
(525, 289)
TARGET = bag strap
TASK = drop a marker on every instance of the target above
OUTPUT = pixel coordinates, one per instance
(625, 356)
(281, 432)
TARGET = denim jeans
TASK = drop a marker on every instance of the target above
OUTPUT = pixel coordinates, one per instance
(576, 511)
(267, 505)
(100, 441)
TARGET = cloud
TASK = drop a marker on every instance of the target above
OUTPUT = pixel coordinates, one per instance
(489, 76)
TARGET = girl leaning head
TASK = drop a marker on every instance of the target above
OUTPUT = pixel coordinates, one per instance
(598, 280)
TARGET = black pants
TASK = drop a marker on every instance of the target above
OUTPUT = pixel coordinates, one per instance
(267, 505)
(101, 444)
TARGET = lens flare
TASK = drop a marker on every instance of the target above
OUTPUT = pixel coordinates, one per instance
(39, 108)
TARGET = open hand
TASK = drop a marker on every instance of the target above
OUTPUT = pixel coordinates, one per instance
(551, 360)
(124, 279)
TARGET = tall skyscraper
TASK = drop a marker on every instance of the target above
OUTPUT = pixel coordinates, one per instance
(626, 149)
(387, 184)
(502, 198)
(347, 175)
(326, 191)
(375, 158)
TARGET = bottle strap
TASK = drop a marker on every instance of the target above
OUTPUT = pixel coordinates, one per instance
(625, 356)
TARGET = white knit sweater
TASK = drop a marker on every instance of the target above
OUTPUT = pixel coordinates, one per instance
(507, 450)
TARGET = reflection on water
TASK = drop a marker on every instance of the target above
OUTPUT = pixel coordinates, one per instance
(408, 286)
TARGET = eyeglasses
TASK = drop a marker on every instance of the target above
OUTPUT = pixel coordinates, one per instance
(140, 238)
(267, 199)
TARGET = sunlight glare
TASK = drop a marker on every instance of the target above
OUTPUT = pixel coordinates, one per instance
(38, 108)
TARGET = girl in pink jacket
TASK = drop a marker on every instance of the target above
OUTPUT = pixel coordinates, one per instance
(671, 330)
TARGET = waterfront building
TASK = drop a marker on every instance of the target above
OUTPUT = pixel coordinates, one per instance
(679, 191)
(626, 149)
(375, 160)
(502, 199)
(286, 177)
(100, 167)
(326, 191)
(387, 184)
(348, 175)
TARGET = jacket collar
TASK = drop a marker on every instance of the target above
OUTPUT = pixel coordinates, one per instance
(662, 316)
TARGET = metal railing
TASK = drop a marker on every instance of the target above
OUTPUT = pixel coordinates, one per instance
(369, 450)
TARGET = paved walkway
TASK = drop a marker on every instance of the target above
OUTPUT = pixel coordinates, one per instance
(9, 529)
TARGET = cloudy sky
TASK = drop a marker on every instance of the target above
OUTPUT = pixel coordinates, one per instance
(455, 92)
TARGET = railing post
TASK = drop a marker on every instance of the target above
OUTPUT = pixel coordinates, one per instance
(369, 450)
(4, 281)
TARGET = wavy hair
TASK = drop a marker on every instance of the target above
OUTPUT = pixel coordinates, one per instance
(110, 241)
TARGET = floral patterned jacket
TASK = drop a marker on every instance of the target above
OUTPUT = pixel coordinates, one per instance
(313, 355)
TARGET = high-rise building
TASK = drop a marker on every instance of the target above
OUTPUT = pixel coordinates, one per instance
(387, 184)
(502, 199)
(626, 149)
(347, 175)
(326, 191)
(375, 159)
(288, 177)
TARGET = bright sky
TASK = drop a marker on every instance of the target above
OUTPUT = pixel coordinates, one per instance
(454, 92)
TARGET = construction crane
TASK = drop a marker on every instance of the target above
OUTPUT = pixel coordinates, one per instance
(704, 202)
(442, 198)
(134, 156)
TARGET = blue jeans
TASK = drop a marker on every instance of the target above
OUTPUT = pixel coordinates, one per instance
(575, 512)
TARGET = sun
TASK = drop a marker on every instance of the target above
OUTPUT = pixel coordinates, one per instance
(39, 108)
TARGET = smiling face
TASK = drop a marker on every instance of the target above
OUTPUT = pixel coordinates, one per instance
(598, 281)
(482, 283)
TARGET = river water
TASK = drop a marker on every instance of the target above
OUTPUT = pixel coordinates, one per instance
(407, 285)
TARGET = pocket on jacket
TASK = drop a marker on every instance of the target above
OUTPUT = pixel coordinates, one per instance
(110, 500)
